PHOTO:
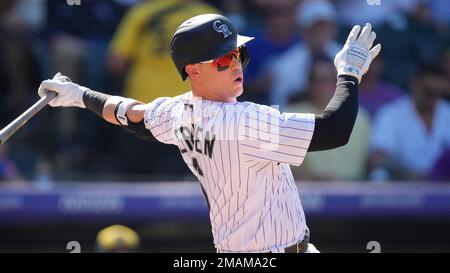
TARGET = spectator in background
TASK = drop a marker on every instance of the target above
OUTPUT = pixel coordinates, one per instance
(117, 239)
(139, 55)
(20, 23)
(19, 76)
(235, 11)
(317, 21)
(278, 35)
(410, 133)
(408, 38)
(427, 38)
(77, 39)
(375, 92)
(43, 178)
(345, 163)
(139, 51)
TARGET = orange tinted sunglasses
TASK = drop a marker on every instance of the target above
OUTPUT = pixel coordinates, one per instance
(224, 62)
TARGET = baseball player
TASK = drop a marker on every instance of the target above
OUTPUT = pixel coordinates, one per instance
(239, 151)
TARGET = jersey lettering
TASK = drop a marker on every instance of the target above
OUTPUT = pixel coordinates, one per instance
(194, 142)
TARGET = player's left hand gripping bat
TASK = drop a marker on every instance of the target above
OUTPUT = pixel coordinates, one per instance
(16, 124)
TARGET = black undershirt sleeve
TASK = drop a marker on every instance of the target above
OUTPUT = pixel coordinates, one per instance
(95, 101)
(139, 130)
(334, 126)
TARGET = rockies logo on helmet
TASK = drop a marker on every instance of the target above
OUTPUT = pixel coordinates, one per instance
(222, 28)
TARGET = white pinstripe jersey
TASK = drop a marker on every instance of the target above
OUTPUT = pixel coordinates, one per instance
(240, 153)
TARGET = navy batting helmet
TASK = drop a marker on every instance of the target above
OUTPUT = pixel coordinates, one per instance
(203, 38)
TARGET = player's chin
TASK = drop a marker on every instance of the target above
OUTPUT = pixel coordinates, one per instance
(238, 90)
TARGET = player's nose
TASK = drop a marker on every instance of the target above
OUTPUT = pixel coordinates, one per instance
(235, 64)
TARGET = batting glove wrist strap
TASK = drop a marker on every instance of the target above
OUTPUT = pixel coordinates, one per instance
(356, 56)
(122, 107)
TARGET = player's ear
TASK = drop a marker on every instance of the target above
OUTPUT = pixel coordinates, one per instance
(192, 70)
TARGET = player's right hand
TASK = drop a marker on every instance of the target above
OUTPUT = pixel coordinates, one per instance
(356, 56)
(69, 93)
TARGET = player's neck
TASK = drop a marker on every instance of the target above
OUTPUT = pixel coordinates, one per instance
(212, 97)
(205, 94)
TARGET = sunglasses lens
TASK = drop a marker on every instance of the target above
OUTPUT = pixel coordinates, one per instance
(225, 61)
(222, 61)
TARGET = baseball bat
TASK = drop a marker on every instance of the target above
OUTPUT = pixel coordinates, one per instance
(16, 124)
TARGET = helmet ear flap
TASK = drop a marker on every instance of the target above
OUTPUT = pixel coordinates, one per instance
(245, 57)
(184, 74)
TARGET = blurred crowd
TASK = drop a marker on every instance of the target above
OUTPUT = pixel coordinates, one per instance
(120, 47)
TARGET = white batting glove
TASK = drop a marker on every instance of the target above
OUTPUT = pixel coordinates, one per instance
(69, 93)
(356, 56)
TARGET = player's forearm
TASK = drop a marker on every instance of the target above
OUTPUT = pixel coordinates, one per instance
(125, 112)
(333, 128)
(107, 107)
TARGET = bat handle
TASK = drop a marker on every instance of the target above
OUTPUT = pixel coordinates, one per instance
(15, 125)
(47, 98)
